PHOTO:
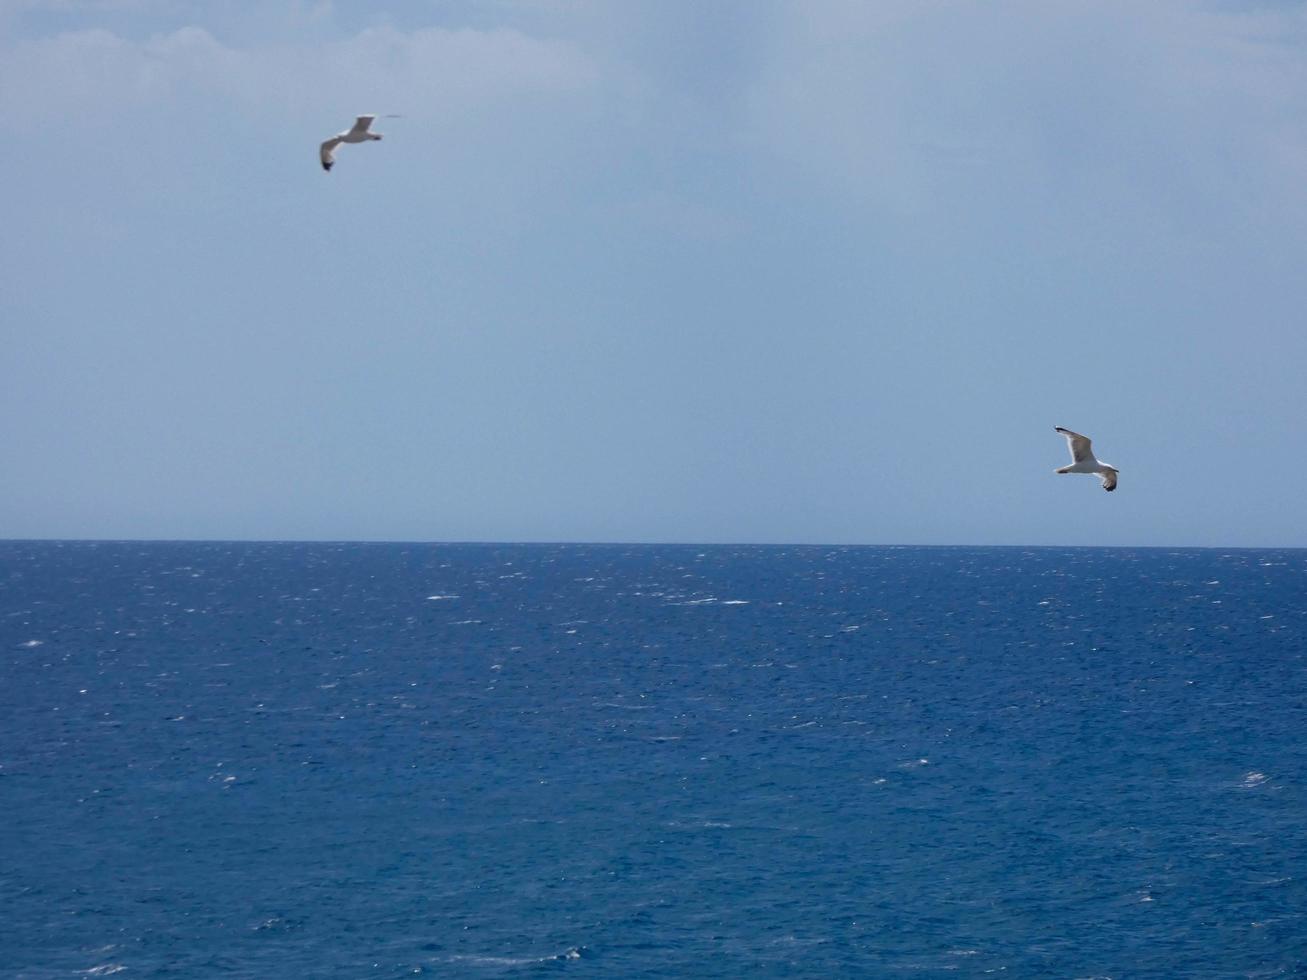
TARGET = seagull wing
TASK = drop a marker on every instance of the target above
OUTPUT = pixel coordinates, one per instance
(1080, 445)
(361, 124)
(325, 154)
(1109, 479)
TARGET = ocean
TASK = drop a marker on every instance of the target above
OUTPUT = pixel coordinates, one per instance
(387, 760)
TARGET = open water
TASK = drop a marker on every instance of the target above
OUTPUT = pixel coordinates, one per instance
(381, 760)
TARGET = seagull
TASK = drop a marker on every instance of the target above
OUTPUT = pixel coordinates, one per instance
(1083, 461)
(358, 133)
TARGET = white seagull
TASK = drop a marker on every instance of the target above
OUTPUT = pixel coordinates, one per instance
(1083, 461)
(358, 133)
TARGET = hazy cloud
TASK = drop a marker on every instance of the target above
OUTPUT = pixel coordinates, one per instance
(727, 271)
(913, 107)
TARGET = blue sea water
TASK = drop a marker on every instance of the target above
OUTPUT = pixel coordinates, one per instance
(381, 760)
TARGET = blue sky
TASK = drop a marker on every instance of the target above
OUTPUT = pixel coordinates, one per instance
(747, 271)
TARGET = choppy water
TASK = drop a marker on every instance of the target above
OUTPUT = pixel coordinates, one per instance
(345, 760)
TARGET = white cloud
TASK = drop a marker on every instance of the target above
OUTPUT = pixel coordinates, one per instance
(97, 72)
(80, 6)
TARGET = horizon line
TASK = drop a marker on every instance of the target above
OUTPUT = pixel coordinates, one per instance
(475, 542)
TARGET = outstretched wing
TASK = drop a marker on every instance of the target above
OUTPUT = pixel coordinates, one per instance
(325, 152)
(361, 125)
(1109, 479)
(1080, 445)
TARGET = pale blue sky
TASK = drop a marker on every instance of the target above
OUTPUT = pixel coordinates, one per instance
(654, 271)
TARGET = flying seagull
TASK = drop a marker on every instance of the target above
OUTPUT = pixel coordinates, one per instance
(358, 133)
(1083, 461)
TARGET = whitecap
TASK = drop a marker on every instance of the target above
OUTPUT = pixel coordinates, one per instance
(1252, 779)
(32, 643)
(437, 598)
(495, 960)
(574, 953)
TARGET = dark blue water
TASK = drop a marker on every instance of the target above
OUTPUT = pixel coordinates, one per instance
(345, 760)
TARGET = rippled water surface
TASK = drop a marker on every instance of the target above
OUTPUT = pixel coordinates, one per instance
(345, 760)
